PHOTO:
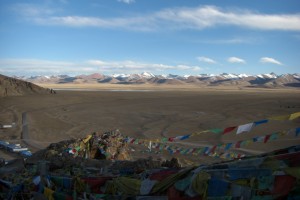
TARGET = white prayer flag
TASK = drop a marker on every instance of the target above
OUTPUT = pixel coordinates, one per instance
(244, 128)
(36, 180)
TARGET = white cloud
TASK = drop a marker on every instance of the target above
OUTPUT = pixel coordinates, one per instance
(269, 60)
(127, 1)
(45, 67)
(235, 40)
(201, 17)
(133, 65)
(206, 59)
(37, 67)
(236, 60)
(32, 11)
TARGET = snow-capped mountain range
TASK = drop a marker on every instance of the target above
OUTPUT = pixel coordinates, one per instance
(260, 80)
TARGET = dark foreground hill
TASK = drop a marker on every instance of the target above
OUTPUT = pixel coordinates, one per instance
(65, 171)
(15, 87)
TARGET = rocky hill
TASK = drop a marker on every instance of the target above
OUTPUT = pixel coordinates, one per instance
(15, 87)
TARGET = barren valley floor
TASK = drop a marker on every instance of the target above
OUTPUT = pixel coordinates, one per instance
(152, 114)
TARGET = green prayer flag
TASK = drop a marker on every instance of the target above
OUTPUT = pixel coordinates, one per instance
(216, 130)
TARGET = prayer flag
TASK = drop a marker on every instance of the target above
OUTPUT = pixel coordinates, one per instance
(199, 150)
(228, 146)
(245, 128)
(274, 136)
(184, 137)
(261, 122)
(255, 139)
(243, 143)
(248, 142)
(229, 129)
(213, 149)
(297, 131)
(216, 130)
(238, 144)
(294, 116)
(132, 140)
(205, 150)
(282, 117)
(267, 137)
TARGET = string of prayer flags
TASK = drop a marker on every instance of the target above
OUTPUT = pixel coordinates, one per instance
(240, 129)
(245, 128)
(210, 151)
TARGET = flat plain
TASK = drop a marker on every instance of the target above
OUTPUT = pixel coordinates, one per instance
(151, 112)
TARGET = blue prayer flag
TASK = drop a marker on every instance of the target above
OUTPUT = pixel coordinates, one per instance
(261, 122)
(184, 137)
(297, 131)
(228, 146)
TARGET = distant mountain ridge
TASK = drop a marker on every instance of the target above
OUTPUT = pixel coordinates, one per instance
(270, 80)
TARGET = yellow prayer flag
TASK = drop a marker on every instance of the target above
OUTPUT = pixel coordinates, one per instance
(87, 138)
(293, 171)
(294, 116)
(282, 133)
(200, 132)
(282, 117)
(248, 142)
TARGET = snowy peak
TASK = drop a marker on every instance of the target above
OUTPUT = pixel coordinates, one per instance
(229, 76)
(147, 75)
(268, 76)
(243, 75)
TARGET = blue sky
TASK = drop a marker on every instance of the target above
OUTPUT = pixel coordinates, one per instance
(48, 37)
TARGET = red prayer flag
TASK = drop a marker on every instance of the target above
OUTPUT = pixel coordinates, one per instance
(132, 141)
(238, 144)
(229, 129)
(194, 149)
(213, 149)
(267, 138)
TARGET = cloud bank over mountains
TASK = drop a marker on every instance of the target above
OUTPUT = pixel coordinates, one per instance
(47, 67)
(199, 18)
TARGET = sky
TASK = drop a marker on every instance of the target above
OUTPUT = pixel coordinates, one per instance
(183, 37)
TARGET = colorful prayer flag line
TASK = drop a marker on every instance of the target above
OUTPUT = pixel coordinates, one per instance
(240, 129)
(214, 150)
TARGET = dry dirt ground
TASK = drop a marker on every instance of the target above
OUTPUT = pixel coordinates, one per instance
(153, 113)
